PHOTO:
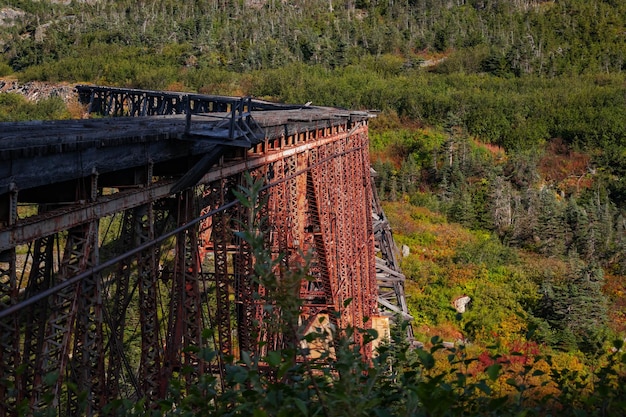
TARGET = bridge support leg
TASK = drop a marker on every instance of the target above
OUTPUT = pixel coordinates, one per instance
(88, 357)
(185, 326)
(9, 331)
(80, 254)
(34, 317)
(120, 301)
(9, 327)
(151, 344)
(218, 191)
(244, 284)
(189, 261)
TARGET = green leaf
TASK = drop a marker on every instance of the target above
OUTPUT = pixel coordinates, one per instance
(273, 358)
(245, 358)
(482, 385)
(493, 371)
(369, 335)
(301, 406)
(427, 360)
(243, 199)
(50, 378)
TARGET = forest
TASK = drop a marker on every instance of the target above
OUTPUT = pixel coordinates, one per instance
(499, 143)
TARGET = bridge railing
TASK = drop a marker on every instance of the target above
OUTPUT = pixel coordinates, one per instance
(118, 102)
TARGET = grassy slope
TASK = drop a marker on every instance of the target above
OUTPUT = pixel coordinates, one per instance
(448, 260)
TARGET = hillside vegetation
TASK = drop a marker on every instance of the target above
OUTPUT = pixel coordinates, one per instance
(500, 141)
(518, 37)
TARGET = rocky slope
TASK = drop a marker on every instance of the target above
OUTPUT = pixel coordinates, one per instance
(35, 90)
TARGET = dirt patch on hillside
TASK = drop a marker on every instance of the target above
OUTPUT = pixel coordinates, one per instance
(36, 90)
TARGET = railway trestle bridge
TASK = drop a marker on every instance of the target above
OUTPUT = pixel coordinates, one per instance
(119, 243)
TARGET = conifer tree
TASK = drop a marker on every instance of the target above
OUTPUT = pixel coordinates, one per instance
(578, 224)
(575, 308)
(550, 224)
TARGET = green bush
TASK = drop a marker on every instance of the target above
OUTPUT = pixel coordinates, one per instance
(5, 69)
(434, 381)
(15, 107)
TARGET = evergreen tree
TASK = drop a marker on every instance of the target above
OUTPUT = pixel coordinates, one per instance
(618, 262)
(602, 227)
(575, 308)
(410, 175)
(578, 224)
(462, 208)
(550, 232)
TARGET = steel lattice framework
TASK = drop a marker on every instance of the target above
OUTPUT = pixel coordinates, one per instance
(118, 244)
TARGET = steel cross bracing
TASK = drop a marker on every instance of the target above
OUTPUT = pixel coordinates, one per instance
(118, 260)
(389, 277)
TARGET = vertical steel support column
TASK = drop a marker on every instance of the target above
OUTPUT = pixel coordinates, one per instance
(192, 317)
(343, 217)
(259, 306)
(371, 294)
(319, 292)
(323, 177)
(295, 196)
(35, 316)
(279, 223)
(222, 280)
(362, 203)
(293, 203)
(9, 327)
(117, 315)
(358, 247)
(331, 186)
(279, 211)
(151, 343)
(350, 219)
(88, 357)
(9, 339)
(79, 255)
(244, 285)
(173, 338)
(185, 308)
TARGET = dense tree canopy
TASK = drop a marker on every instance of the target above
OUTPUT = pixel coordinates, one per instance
(567, 37)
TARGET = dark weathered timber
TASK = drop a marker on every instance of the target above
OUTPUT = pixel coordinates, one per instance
(73, 149)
